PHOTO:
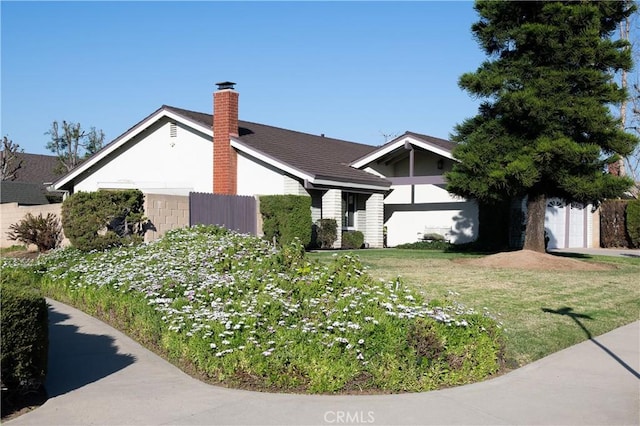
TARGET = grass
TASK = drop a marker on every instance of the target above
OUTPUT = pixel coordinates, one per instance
(541, 311)
(13, 249)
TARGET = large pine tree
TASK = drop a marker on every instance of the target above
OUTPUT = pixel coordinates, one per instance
(544, 128)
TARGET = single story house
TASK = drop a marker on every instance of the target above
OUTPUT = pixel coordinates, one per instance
(397, 188)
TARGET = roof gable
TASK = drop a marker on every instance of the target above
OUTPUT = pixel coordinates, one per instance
(438, 146)
(132, 132)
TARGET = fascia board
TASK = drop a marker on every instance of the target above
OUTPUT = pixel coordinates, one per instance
(430, 147)
(126, 137)
(380, 152)
(327, 182)
(392, 146)
(235, 143)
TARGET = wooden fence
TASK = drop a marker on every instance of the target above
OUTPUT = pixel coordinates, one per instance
(235, 212)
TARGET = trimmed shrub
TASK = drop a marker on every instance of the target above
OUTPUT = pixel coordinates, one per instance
(25, 333)
(613, 224)
(633, 222)
(286, 217)
(434, 236)
(352, 239)
(102, 219)
(326, 232)
(427, 245)
(44, 232)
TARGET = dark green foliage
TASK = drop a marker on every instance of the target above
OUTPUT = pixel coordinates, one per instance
(424, 337)
(613, 224)
(434, 236)
(460, 351)
(352, 240)
(326, 232)
(44, 232)
(102, 219)
(25, 333)
(494, 221)
(633, 222)
(545, 120)
(286, 217)
(426, 245)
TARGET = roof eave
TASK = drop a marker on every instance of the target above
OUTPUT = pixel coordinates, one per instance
(64, 182)
(400, 142)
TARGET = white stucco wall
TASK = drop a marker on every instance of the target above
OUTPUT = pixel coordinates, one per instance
(257, 178)
(155, 162)
(433, 210)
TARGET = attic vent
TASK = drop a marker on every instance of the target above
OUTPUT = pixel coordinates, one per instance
(173, 130)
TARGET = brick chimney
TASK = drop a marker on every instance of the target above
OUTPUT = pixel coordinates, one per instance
(225, 125)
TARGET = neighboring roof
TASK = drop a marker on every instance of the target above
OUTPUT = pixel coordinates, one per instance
(36, 168)
(318, 159)
(23, 193)
(438, 146)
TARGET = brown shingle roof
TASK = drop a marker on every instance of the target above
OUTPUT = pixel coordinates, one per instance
(322, 157)
(36, 168)
(23, 193)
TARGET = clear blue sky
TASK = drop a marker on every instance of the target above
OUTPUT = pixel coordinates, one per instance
(350, 70)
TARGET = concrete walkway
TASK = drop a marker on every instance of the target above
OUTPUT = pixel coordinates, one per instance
(617, 252)
(98, 376)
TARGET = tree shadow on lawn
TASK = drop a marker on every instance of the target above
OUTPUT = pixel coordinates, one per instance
(77, 359)
(571, 256)
(576, 317)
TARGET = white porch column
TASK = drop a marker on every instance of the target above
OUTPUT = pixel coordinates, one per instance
(375, 219)
(332, 209)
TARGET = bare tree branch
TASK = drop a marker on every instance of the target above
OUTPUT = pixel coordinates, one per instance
(9, 161)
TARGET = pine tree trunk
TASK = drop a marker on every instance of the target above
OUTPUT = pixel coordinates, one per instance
(534, 232)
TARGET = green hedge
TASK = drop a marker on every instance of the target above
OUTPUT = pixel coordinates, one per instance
(352, 239)
(102, 219)
(25, 332)
(286, 217)
(633, 222)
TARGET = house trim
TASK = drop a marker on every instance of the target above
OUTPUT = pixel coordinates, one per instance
(126, 137)
(398, 143)
(418, 180)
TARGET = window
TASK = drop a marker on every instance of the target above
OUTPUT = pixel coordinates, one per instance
(349, 203)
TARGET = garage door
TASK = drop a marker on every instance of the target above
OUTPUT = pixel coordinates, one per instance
(567, 225)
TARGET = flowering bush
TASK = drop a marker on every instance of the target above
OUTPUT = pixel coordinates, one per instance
(247, 314)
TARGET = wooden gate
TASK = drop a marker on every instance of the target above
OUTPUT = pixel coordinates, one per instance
(235, 212)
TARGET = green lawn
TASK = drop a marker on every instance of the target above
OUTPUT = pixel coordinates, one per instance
(584, 302)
